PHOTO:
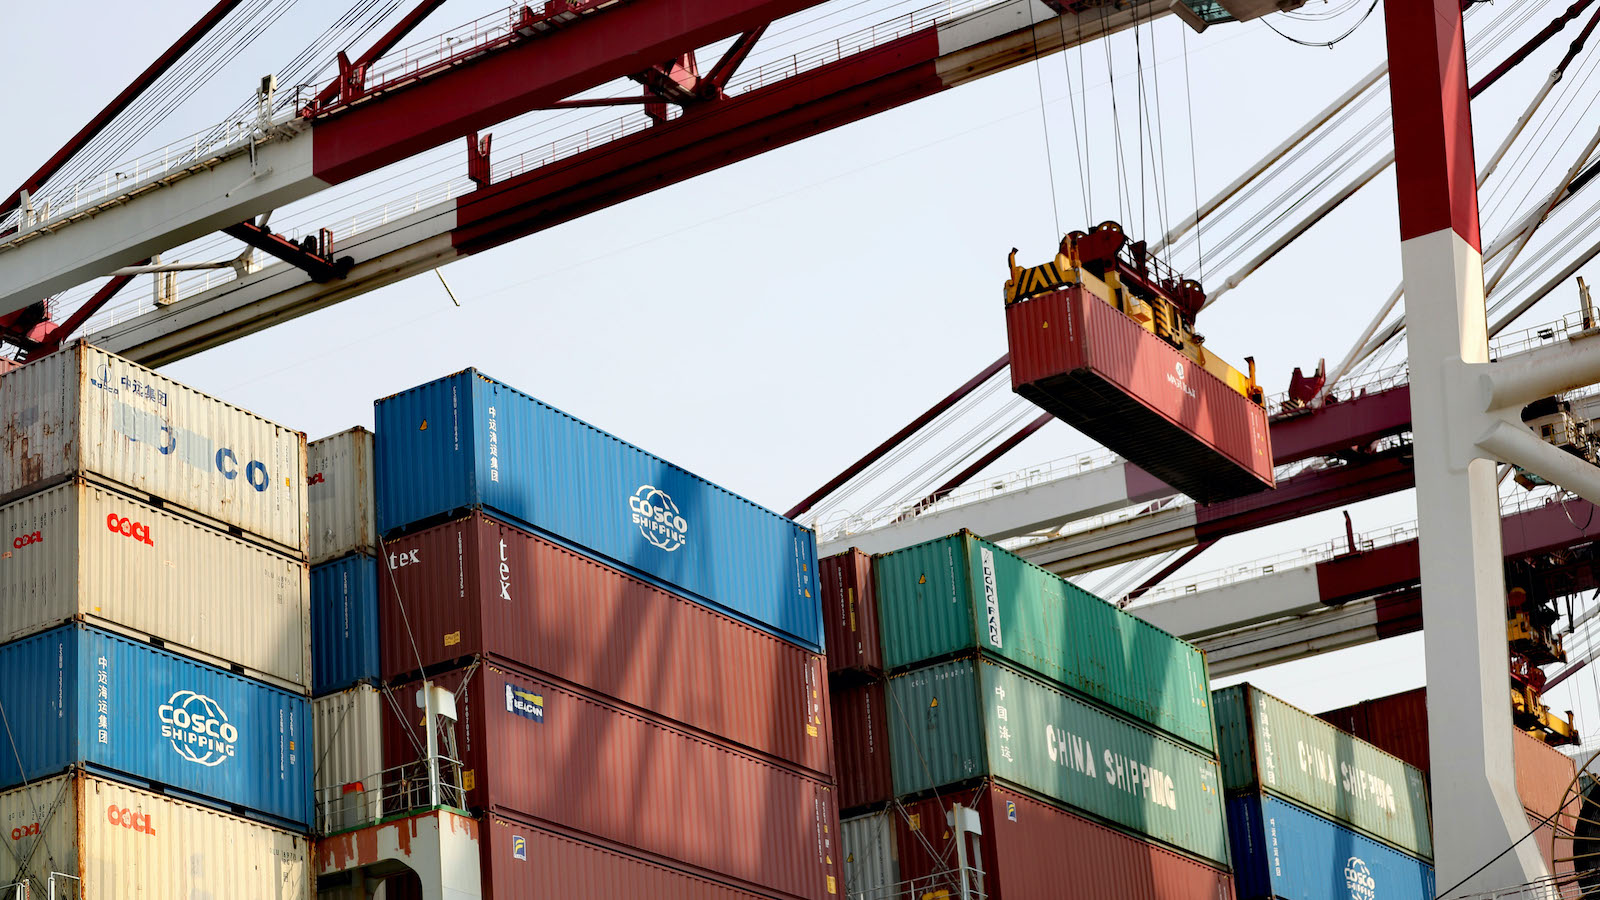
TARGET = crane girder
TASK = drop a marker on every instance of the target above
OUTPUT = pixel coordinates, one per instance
(716, 133)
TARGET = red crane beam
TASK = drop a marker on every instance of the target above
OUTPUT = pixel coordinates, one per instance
(480, 88)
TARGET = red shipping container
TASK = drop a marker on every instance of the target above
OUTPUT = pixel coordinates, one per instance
(525, 861)
(480, 587)
(1033, 850)
(860, 724)
(1078, 358)
(569, 759)
(850, 613)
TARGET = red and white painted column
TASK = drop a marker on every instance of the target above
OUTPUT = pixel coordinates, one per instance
(1476, 812)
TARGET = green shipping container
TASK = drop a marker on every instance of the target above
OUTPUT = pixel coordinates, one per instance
(973, 717)
(1268, 745)
(961, 593)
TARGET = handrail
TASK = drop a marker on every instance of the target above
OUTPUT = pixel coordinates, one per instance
(395, 791)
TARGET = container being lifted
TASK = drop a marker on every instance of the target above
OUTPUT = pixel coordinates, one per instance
(1102, 337)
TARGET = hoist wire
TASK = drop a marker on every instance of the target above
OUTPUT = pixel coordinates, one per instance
(1044, 119)
(1085, 174)
(1194, 166)
(1161, 138)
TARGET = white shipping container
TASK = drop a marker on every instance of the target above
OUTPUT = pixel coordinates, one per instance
(871, 857)
(339, 492)
(347, 734)
(83, 411)
(81, 551)
(123, 842)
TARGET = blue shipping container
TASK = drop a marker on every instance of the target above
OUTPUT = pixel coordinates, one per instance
(344, 624)
(468, 441)
(81, 696)
(1281, 850)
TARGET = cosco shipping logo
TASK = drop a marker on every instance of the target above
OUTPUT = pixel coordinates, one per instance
(198, 728)
(658, 518)
(1358, 878)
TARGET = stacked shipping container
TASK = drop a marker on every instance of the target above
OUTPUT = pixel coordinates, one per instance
(1314, 812)
(613, 627)
(1546, 778)
(1011, 689)
(156, 582)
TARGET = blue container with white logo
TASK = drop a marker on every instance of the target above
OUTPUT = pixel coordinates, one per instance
(344, 624)
(79, 696)
(467, 441)
(1285, 852)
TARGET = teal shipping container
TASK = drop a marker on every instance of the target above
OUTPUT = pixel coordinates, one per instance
(1269, 746)
(962, 593)
(969, 718)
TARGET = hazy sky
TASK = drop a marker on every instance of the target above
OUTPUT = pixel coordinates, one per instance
(765, 324)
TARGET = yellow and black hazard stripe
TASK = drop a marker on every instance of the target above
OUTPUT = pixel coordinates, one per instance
(1029, 282)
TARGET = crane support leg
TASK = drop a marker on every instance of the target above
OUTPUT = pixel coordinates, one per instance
(1479, 816)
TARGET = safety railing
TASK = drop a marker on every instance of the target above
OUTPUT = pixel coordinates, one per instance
(1339, 546)
(1515, 342)
(1560, 887)
(57, 886)
(1348, 389)
(768, 73)
(945, 885)
(392, 792)
(982, 489)
(1289, 559)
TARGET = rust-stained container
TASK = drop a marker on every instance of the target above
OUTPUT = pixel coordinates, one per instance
(860, 724)
(7, 364)
(129, 844)
(1083, 361)
(1034, 850)
(83, 411)
(850, 613)
(477, 586)
(568, 759)
(83, 552)
(343, 514)
(527, 861)
(347, 738)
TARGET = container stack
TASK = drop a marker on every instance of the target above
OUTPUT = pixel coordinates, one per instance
(859, 720)
(1398, 724)
(156, 662)
(1080, 734)
(1316, 812)
(348, 707)
(635, 654)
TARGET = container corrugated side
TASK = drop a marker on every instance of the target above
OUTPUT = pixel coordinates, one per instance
(479, 586)
(1076, 356)
(961, 593)
(1269, 745)
(850, 613)
(528, 861)
(344, 624)
(130, 844)
(860, 722)
(81, 551)
(83, 411)
(1398, 725)
(82, 696)
(529, 748)
(468, 441)
(965, 719)
(343, 510)
(347, 742)
(1283, 850)
(871, 859)
(1034, 850)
